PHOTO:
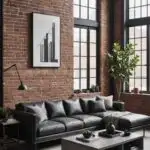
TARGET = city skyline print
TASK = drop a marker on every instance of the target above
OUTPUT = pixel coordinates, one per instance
(46, 40)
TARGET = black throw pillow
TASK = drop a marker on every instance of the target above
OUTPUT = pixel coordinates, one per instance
(97, 106)
(55, 109)
(72, 107)
(85, 103)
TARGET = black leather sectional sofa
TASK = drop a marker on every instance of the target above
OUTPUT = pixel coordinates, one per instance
(67, 117)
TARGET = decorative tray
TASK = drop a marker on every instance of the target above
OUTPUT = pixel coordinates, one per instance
(83, 139)
(105, 134)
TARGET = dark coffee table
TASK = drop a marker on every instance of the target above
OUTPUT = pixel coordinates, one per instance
(135, 140)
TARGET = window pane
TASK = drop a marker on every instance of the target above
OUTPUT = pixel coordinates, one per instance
(138, 83)
(83, 73)
(83, 62)
(76, 11)
(148, 1)
(144, 72)
(139, 54)
(83, 35)
(132, 41)
(76, 49)
(84, 2)
(76, 2)
(92, 14)
(83, 83)
(144, 11)
(149, 10)
(138, 44)
(92, 49)
(144, 43)
(131, 3)
(137, 2)
(131, 32)
(93, 36)
(83, 49)
(131, 13)
(84, 12)
(144, 31)
(137, 32)
(93, 62)
(137, 12)
(144, 2)
(76, 84)
(76, 73)
(144, 58)
(92, 81)
(131, 84)
(92, 3)
(76, 34)
(76, 62)
(138, 71)
(92, 72)
(144, 84)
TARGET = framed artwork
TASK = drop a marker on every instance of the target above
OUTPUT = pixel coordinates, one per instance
(46, 40)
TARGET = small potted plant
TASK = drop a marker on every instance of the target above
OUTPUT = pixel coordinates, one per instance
(5, 113)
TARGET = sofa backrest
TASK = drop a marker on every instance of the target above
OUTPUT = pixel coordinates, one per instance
(24, 106)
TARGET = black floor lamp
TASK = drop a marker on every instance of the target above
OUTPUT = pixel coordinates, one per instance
(22, 86)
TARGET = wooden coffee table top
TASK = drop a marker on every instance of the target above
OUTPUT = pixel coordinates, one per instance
(102, 142)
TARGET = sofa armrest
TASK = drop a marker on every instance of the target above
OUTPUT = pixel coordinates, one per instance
(28, 125)
(119, 106)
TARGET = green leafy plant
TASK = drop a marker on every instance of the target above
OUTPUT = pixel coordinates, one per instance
(122, 62)
(5, 113)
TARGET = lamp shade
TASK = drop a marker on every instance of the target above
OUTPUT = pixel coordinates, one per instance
(22, 86)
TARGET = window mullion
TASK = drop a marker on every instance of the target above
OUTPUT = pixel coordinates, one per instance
(148, 58)
(88, 59)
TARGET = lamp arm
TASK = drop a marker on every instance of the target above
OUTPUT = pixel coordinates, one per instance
(14, 65)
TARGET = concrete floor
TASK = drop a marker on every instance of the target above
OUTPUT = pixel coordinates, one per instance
(57, 146)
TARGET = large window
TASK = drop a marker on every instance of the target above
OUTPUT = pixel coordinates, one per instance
(138, 33)
(138, 36)
(85, 44)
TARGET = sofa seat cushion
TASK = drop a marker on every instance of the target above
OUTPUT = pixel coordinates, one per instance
(111, 113)
(133, 120)
(49, 127)
(88, 120)
(70, 123)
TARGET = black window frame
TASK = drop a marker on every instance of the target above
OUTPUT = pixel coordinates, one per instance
(90, 24)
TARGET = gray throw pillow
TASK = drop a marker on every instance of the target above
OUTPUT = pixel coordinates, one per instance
(39, 111)
(108, 100)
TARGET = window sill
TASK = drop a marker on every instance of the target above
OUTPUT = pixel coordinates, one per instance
(140, 94)
(84, 95)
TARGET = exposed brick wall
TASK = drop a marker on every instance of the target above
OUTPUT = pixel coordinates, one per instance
(138, 103)
(118, 20)
(105, 46)
(45, 83)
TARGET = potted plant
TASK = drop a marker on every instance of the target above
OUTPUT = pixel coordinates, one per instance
(5, 113)
(122, 62)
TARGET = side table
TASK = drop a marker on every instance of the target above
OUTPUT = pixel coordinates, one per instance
(5, 137)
